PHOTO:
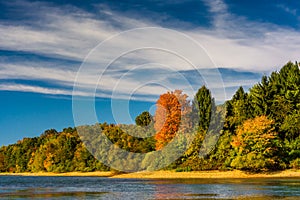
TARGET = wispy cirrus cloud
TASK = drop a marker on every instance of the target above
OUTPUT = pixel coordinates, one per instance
(70, 33)
(65, 32)
(292, 11)
(236, 42)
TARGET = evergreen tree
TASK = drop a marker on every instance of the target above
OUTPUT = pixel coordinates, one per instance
(238, 110)
(205, 107)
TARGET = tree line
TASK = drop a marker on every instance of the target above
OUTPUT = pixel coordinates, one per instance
(260, 131)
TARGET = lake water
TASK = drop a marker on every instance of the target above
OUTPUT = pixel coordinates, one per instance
(17, 187)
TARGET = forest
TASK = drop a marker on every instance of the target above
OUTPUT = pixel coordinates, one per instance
(260, 132)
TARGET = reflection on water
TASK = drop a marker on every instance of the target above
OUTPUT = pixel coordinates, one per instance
(14, 187)
(33, 193)
(180, 191)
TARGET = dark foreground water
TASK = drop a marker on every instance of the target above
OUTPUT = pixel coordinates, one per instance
(17, 187)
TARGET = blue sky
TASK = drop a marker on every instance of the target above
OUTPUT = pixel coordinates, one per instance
(43, 45)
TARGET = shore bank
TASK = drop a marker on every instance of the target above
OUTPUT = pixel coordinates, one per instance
(172, 174)
(98, 174)
(209, 174)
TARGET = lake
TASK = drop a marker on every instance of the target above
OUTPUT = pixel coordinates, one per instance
(18, 187)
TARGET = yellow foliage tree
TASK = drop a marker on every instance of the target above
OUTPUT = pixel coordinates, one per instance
(256, 145)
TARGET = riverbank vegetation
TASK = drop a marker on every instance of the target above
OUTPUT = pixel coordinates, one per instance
(261, 132)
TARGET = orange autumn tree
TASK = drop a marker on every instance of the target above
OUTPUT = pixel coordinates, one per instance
(171, 107)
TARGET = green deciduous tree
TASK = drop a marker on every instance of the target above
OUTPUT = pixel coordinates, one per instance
(2, 161)
(144, 119)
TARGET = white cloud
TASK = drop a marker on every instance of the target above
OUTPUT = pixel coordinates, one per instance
(63, 32)
(36, 89)
(32, 71)
(236, 42)
(292, 11)
(71, 33)
(219, 13)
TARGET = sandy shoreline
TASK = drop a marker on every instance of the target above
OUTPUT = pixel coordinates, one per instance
(172, 175)
(209, 174)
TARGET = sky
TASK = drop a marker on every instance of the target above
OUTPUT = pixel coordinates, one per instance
(60, 58)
